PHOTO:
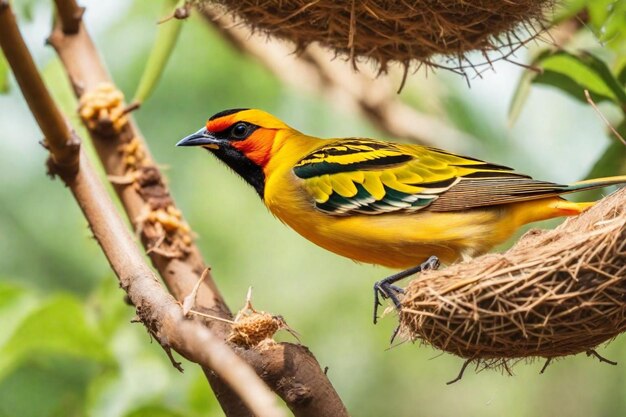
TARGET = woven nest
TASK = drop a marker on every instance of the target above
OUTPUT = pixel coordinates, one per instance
(395, 30)
(556, 293)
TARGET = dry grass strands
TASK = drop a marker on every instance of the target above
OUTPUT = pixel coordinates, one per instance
(252, 327)
(556, 293)
(394, 30)
(250, 330)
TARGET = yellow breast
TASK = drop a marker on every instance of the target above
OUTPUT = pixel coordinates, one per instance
(392, 240)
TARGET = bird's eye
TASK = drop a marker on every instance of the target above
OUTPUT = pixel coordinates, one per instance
(240, 131)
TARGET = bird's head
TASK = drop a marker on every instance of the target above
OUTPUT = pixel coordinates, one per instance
(244, 139)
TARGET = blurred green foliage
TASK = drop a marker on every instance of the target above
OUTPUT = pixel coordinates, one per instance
(588, 73)
(606, 19)
(164, 43)
(67, 345)
(4, 75)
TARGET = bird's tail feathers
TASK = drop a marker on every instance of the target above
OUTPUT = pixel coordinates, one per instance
(570, 208)
(595, 183)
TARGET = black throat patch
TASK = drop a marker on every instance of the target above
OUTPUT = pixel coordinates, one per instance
(238, 162)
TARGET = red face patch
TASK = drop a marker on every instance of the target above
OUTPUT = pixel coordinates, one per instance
(258, 146)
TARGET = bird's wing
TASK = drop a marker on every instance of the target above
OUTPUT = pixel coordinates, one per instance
(370, 177)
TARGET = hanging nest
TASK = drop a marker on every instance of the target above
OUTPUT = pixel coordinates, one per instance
(395, 30)
(556, 293)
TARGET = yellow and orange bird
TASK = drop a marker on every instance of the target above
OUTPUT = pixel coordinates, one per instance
(391, 204)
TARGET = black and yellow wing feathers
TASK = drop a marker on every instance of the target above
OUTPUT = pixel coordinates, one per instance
(351, 176)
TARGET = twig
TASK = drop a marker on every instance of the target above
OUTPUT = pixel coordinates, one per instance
(70, 14)
(604, 119)
(461, 372)
(190, 301)
(173, 361)
(209, 316)
(158, 310)
(602, 359)
(545, 365)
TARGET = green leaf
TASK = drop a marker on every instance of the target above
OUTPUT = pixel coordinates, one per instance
(4, 74)
(575, 73)
(519, 96)
(55, 77)
(612, 32)
(621, 75)
(569, 86)
(198, 399)
(15, 304)
(111, 312)
(522, 91)
(58, 327)
(599, 11)
(601, 68)
(612, 162)
(9, 293)
(167, 35)
(155, 410)
(568, 10)
(26, 9)
(50, 388)
(137, 360)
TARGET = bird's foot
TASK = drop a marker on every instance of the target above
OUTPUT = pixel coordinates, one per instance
(386, 289)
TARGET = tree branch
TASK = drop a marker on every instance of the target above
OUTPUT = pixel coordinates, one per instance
(70, 14)
(144, 193)
(291, 370)
(60, 140)
(160, 312)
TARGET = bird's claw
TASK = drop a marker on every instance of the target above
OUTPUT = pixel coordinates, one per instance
(431, 263)
(386, 289)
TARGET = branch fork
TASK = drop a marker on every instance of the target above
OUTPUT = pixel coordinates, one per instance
(124, 154)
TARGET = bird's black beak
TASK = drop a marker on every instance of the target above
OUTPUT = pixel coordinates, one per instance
(201, 138)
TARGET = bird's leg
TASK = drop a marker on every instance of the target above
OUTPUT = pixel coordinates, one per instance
(385, 288)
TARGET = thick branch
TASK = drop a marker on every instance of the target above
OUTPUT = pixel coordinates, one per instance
(86, 72)
(59, 138)
(290, 370)
(159, 311)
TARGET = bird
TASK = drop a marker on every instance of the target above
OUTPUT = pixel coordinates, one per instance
(402, 206)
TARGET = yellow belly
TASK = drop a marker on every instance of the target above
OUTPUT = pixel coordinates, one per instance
(392, 240)
(400, 241)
